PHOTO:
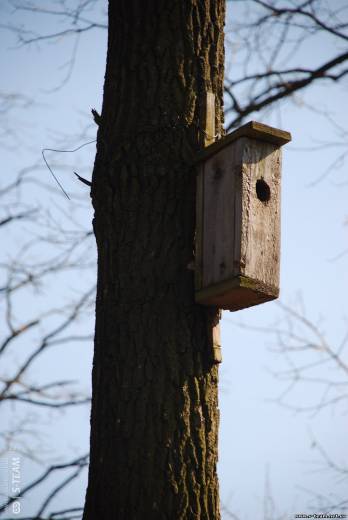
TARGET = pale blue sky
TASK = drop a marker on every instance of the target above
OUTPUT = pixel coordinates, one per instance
(256, 435)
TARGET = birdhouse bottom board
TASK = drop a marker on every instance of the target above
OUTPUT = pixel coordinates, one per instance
(238, 224)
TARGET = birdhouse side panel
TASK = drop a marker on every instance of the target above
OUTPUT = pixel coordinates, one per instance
(222, 205)
(260, 248)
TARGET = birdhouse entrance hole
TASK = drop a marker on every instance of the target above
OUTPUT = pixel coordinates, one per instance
(263, 191)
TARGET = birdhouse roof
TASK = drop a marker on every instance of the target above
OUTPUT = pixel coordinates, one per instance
(253, 130)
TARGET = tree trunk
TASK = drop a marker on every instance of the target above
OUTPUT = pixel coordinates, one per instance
(154, 422)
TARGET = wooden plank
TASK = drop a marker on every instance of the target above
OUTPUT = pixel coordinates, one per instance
(239, 218)
(223, 180)
(208, 137)
(199, 228)
(217, 356)
(218, 217)
(208, 118)
(236, 293)
(253, 130)
(260, 246)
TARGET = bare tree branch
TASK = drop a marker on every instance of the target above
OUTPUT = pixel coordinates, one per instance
(77, 464)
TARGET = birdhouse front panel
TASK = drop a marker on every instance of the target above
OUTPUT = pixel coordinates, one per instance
(238, 218)
(260, 244)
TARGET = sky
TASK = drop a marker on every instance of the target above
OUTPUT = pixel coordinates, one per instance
(265, 448)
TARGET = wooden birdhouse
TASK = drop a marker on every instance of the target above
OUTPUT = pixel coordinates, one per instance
(238, 218)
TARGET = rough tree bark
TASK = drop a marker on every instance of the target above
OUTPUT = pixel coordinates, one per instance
(154, 423)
